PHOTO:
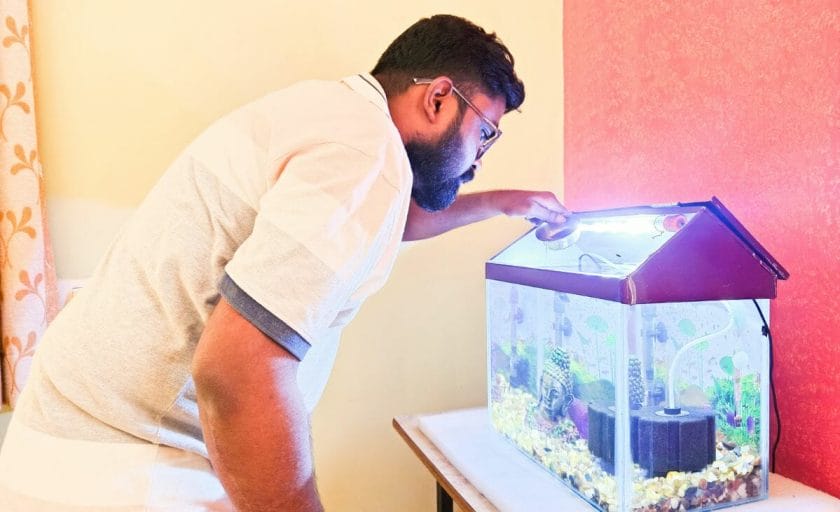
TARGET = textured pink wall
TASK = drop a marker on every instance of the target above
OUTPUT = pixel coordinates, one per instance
(679, 101)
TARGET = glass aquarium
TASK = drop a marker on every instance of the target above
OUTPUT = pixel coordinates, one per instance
(629, 359)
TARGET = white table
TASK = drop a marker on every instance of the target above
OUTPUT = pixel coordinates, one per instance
(480, 471)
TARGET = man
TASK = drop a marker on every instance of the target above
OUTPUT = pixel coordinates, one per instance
(209, 329)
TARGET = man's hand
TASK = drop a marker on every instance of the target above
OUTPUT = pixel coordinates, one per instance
(542, 206)
(254, 422)
(469, 208)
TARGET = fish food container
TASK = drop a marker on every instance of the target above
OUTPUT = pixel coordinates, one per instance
(631, 359)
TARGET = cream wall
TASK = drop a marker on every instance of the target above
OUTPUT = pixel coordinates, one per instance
(121, 87)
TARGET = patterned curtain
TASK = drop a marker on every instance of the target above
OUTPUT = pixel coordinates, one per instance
(28, 298)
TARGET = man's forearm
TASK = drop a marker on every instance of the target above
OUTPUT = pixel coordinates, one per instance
(264, 460)
(467, 209)
(255, 424)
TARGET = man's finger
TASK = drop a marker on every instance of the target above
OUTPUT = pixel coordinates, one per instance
(548, 215)
(551, 202)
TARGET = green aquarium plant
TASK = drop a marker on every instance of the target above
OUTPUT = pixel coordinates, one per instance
(739, 424)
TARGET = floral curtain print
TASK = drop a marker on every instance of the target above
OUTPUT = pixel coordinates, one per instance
(28, 297)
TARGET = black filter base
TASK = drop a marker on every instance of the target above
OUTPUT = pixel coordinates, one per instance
(658, 442)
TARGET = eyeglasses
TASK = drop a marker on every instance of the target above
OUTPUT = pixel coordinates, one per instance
(487, 139)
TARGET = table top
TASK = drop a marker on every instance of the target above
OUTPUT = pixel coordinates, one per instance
(458, 442)
(457, 486)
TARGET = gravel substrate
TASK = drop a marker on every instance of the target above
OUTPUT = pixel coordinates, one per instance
(735, 475)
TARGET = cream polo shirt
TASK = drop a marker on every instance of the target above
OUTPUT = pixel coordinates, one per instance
(292, 207)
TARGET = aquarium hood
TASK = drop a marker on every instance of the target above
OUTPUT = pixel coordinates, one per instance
(646, 254)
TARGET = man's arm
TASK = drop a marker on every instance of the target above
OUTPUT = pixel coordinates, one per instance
(255, 424)
(469, 208)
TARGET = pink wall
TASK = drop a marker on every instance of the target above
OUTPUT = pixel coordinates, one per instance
(679, 101)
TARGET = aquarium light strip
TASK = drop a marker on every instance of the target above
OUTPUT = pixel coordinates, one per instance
(631, 225)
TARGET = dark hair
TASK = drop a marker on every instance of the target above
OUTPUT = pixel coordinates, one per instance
(454, 47)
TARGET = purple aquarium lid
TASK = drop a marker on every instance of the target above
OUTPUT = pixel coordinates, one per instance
(646, 254)
(729, 219)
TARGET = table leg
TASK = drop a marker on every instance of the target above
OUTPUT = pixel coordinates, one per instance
(444, 500)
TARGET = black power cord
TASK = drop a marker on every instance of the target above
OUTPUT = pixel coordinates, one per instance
(766, 332)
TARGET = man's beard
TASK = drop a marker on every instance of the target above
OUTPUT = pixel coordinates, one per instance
(435, 167)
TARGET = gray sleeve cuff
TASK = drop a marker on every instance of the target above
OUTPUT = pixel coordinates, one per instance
(263, 319)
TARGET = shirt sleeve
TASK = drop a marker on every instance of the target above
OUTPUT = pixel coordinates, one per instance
(319, 231)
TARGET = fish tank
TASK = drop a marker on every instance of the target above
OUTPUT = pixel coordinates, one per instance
(628, 355)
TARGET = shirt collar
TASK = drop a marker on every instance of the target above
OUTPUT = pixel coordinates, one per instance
(370, 88)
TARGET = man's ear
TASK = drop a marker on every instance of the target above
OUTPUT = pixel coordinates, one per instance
(434, 97)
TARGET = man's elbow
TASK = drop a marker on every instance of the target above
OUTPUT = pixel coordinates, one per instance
(411, 235)
(213, 389)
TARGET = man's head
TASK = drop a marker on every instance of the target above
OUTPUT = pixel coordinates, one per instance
(448, 84)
